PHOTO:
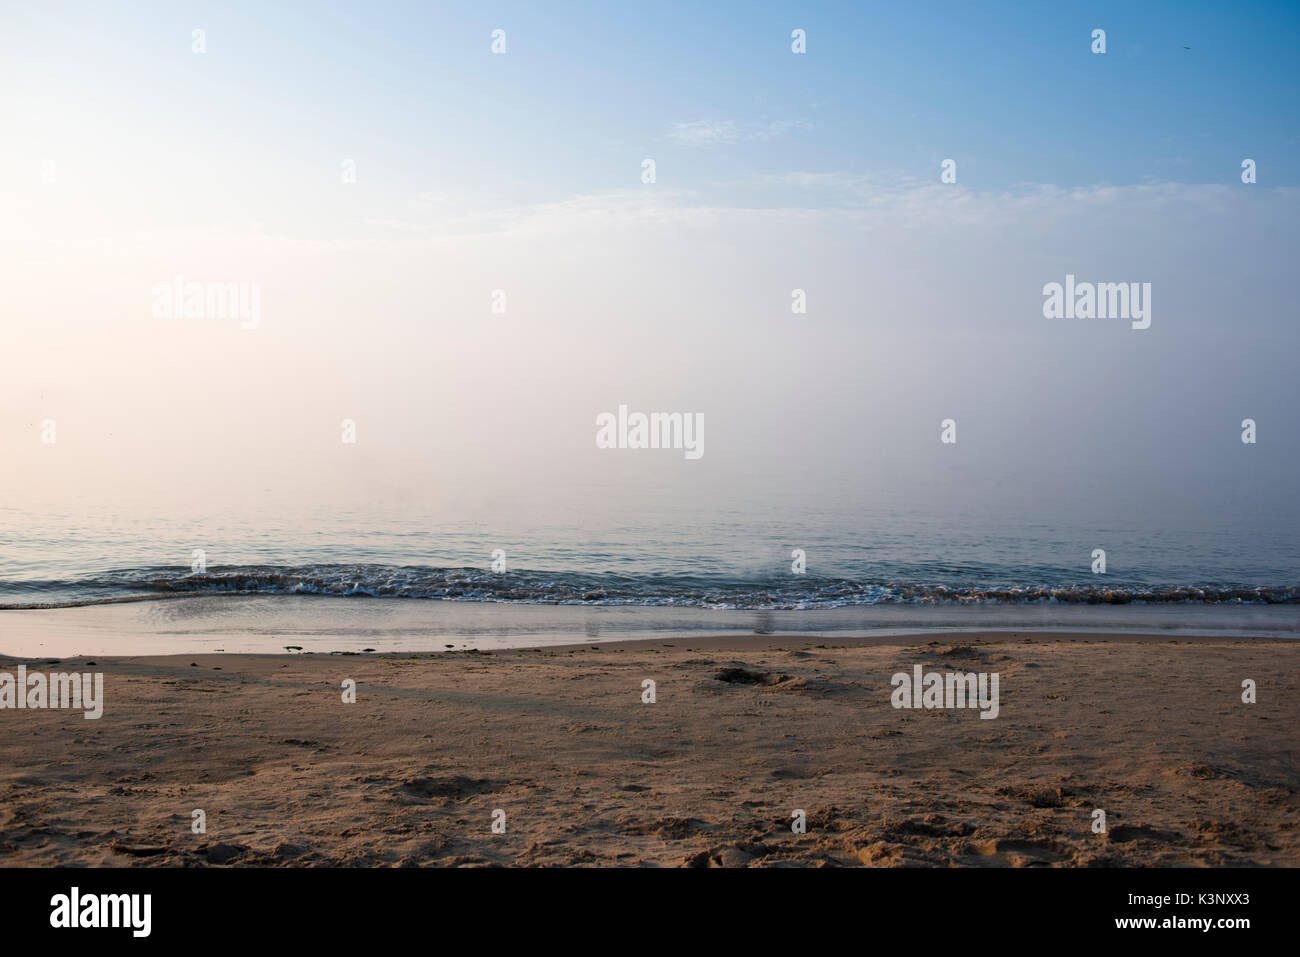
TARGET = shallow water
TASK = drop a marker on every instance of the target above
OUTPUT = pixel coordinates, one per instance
(275, 624)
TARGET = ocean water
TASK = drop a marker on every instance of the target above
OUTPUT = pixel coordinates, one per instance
(738, 557)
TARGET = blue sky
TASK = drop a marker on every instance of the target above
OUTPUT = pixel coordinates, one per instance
(410, 91)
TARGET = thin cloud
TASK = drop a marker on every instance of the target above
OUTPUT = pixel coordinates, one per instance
(706, 134)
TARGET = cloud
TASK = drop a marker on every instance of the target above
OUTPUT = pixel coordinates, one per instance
(707, 134)
(860, 201)
(704, 133)
(779, 128)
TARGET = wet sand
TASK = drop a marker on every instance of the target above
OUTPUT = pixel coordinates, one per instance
(266, 624)
(743, 732)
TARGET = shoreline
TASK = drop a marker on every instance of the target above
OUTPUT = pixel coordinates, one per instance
(269, 624)
(720, 642)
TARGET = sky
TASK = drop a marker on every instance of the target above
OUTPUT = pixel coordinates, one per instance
(378, 173)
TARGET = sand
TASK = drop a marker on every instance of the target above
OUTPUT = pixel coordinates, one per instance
(1151, 731)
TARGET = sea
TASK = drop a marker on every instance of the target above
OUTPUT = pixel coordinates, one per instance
(613, 573)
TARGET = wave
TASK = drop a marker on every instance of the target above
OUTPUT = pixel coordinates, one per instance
(573, 588)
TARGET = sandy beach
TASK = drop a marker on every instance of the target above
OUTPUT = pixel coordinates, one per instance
(743, 732)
